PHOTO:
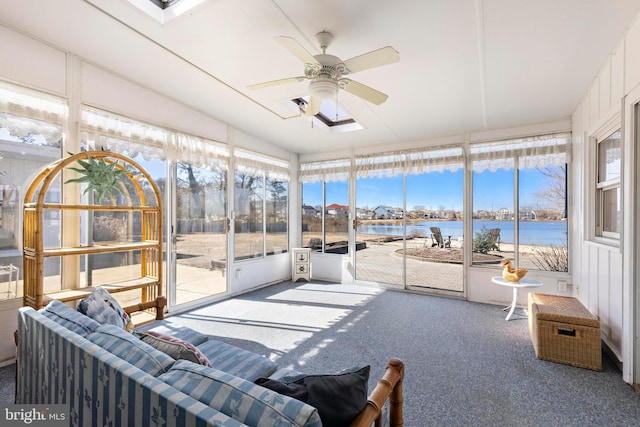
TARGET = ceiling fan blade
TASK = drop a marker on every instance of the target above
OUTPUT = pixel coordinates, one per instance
(313, 106)
(297, 49)
(365, 92)
(276, 82)
(375, 58)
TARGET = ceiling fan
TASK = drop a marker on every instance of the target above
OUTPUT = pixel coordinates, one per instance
(326, 72)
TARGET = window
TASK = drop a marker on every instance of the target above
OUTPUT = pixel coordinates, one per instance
(607, 199)
(191, 174)
(325, 206)
(261, 199)
(276, 214)
(519, 202)
(325, 216)
(248, 217)
(31, 130)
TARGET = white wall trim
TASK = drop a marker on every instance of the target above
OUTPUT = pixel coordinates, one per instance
(629, 240)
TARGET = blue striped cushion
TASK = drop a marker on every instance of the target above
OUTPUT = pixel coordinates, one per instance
(171, 329)
(129, 348)
(71, 319)
(236, 361)
(241, 400)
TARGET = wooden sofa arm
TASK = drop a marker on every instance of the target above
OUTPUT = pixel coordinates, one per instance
(389, 387)
(158, 304)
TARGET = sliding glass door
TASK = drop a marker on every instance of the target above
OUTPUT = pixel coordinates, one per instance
(409, 210)
(199, 257)
(414, 240)
(435, 230)
(380, 229)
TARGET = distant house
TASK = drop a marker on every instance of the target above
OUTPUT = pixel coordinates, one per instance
(482, 214)
(309, 211)
(528, 215)
(420, 213)
(387, 212)
(504, 214)
(338, 211)
(382, 212)
(363, 213)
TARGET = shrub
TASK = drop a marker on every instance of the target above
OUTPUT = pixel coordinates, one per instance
(482, 242)
(551, 258)
(109, 228)
(417, 233)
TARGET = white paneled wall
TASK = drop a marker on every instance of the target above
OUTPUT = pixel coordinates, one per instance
(598, 268)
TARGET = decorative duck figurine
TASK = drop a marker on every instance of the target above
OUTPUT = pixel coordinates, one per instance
(512, 274)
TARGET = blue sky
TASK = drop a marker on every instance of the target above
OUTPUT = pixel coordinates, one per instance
(492, 190)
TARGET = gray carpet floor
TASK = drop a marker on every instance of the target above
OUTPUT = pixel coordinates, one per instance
(465, 365)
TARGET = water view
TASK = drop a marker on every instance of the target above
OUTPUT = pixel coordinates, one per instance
(539, 233)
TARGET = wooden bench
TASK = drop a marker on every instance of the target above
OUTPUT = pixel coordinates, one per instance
(564, 331)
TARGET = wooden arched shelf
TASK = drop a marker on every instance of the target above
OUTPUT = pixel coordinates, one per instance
(147, 205)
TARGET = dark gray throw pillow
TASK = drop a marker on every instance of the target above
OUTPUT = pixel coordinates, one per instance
(339, 398)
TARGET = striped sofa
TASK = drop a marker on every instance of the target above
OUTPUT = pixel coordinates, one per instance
(109, 377)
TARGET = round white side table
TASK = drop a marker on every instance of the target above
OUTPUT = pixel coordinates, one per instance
(523, 283)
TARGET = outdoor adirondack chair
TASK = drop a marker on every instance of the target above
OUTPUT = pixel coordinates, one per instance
(438, 240)
(494, 239)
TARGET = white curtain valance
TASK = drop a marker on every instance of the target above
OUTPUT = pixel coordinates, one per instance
(531, 152)
(380, 165)
(21, 127)
(116, 133)
(21, 101)
(328, 171)
(24, 111)
(410, 162)
(253, 163)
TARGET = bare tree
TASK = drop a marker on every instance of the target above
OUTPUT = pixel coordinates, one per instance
(554, 194)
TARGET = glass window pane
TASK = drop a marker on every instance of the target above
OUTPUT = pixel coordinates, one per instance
(249, 236)
(380, 230)
(277, 202)
(609, 158)
(200, 250)
(542, 228)
(435, 237)
(119, 226)
(493, 226)
(312, 216)
(23, 152)
(336, 217)
(611, 210)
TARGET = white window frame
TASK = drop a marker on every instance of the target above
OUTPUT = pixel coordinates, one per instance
(594, 203)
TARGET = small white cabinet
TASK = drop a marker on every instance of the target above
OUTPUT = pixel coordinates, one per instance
(301, 264)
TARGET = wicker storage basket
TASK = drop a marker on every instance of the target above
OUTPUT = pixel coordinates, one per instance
(564, 331)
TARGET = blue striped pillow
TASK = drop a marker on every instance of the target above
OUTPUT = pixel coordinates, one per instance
(71, 319)
(129, 348)
(239, 399)
(237, 361)
(172, 329)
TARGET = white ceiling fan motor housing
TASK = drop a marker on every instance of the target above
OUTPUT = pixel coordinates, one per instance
(323, 88)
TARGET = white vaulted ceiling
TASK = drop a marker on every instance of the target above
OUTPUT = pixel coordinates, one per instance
(464, 65)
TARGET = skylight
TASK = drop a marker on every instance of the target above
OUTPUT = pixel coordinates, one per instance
(164, 11)
(163, 4)
(331, 116)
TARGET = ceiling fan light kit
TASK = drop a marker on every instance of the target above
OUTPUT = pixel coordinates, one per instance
(323, 88)
(326, 72)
